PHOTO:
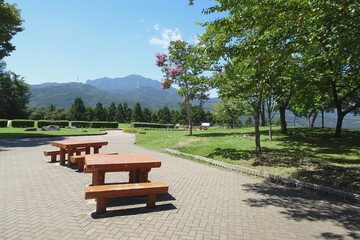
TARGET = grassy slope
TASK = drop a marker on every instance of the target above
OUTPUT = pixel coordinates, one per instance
(305, 154)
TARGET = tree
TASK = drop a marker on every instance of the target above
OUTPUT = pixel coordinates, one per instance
(90, 115)
(184, 67)
(38, 113)
(10, 25)
(198, 116)
(147, 115)
(119, 113)
(175, 116)
(99, 112)
(77, 111)
(127, 112)
(14, 95)
(163, 115)
(111, 112)
(228, 110)
(137, 115)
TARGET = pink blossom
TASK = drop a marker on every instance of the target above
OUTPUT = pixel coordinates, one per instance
(160, 59)
(165, 83)
(173, 71)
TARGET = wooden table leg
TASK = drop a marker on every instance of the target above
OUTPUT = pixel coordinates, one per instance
(132, 176)
(87, 150)
(98, 178)
(96, 149)
(62, 156)
(143, 174)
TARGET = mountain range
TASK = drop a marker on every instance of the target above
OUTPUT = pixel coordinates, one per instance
(130, 89)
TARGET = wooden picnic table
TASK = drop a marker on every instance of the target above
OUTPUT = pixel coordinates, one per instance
(71, 145)
(138, 166)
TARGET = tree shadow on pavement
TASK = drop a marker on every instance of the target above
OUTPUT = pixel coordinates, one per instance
(27, 142)
(300, 205)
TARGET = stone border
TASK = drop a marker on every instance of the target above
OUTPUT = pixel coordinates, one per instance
(274, 178)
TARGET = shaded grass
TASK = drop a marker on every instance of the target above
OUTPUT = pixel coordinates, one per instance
(307, 154)
(20, 132)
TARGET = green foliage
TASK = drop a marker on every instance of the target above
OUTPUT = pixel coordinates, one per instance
(99, 112)
(10, 25)
(228, 110)
(42, 123)
(3, 122)
(111, 113)
(163, 115)
(119, 113)
(14, 95)
(137, 115)
(147, 115)
(22, 123)
(77, 111)
(104, 124)
(81, 124)
(90, 115)
(150, 125)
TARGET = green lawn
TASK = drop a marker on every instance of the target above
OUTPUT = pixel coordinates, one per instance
(308, 154)
(20, 132)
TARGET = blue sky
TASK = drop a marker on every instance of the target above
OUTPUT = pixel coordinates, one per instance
(69, 41)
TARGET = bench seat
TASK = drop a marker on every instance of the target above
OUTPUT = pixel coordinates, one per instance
(54, 153)
(102, 192)
(80, 159)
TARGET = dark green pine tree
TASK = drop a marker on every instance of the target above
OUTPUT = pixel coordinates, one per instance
(164, 115)
(119, 113)
(77, 110)
(147, 115)
(137, 115)
(110, 113)
(99, 112)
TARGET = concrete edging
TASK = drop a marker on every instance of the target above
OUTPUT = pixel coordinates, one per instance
(274, 178)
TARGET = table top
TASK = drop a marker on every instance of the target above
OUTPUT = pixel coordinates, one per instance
(121, 162)
(78, 143)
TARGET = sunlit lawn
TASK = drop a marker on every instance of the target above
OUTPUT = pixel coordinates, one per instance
(20, 132)
(308, 154)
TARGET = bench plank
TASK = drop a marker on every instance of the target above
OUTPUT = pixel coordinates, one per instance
(54, 153)
(102, 192)
(80, 159)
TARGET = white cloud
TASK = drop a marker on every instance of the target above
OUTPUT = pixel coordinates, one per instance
(157, 27)
(167, 36)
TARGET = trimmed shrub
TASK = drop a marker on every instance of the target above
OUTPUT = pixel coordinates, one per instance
(42, 123)
(151, 125)
(81, 124)
(104, 124)
(3, 122)
(22, 123)
(134, 130)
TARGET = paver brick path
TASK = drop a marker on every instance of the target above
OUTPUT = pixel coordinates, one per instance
(42, 200)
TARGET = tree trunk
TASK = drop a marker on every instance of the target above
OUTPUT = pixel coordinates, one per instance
(314, 118)
(270, 126)
(257, 129)
(282, 119)
(263, 118)
(322, 119)
(340, 118)
(308, 120)
(189, 118)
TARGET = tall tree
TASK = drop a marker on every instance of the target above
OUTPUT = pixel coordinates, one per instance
(163, 115)
(111, 112)
(77, 110)
(10, 24)
(228, 110)
(99, 112)
(90, 115)
(137, 115)
(147, 115)
(184, 67)
(119, 114)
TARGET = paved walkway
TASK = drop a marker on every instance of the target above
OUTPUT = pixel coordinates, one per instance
(43, 200)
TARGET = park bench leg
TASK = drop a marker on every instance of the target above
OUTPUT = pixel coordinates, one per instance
(100, 205)
(150, 201)
(81, 166)
(87, 150)
(98, 178)
(70, 153)
(53, 158)
(96, 149)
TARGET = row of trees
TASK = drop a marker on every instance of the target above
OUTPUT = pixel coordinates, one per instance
(301, 54)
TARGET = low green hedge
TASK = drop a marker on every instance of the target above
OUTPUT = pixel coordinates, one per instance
(104, 124)
(3, 122)
(22, 123)
(81, 124)
(62, 124)
(151, 125)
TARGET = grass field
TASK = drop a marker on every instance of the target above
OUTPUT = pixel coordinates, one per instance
(308, 154)
(20, 132)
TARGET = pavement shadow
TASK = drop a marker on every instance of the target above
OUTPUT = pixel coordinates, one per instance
(27, 142)
(299, 205)
(135, 200)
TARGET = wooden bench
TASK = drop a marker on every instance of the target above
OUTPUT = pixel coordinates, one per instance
(54, 153)
(80, 159)
(102, 192)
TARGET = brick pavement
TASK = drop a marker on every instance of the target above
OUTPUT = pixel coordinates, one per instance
(43, 200)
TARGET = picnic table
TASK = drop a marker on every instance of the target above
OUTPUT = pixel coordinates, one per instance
(70, 147)
(138, 166)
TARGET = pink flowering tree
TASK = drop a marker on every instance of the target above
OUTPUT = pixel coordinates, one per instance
(184, 67)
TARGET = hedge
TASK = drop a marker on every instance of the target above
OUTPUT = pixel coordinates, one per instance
(42, 123)
(151, 125)
(104, 124)
(3, 122)
(22, 123)
(81, 124)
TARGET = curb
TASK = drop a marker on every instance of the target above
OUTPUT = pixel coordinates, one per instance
(274, 178)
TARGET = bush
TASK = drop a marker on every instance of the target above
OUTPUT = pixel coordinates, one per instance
(104, 124)
(81, 124)
(3, 122)
(22, 123)
(134, 130)
(151, 125)
(42, 123)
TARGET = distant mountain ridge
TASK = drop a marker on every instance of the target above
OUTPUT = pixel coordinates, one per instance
(130, 89)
